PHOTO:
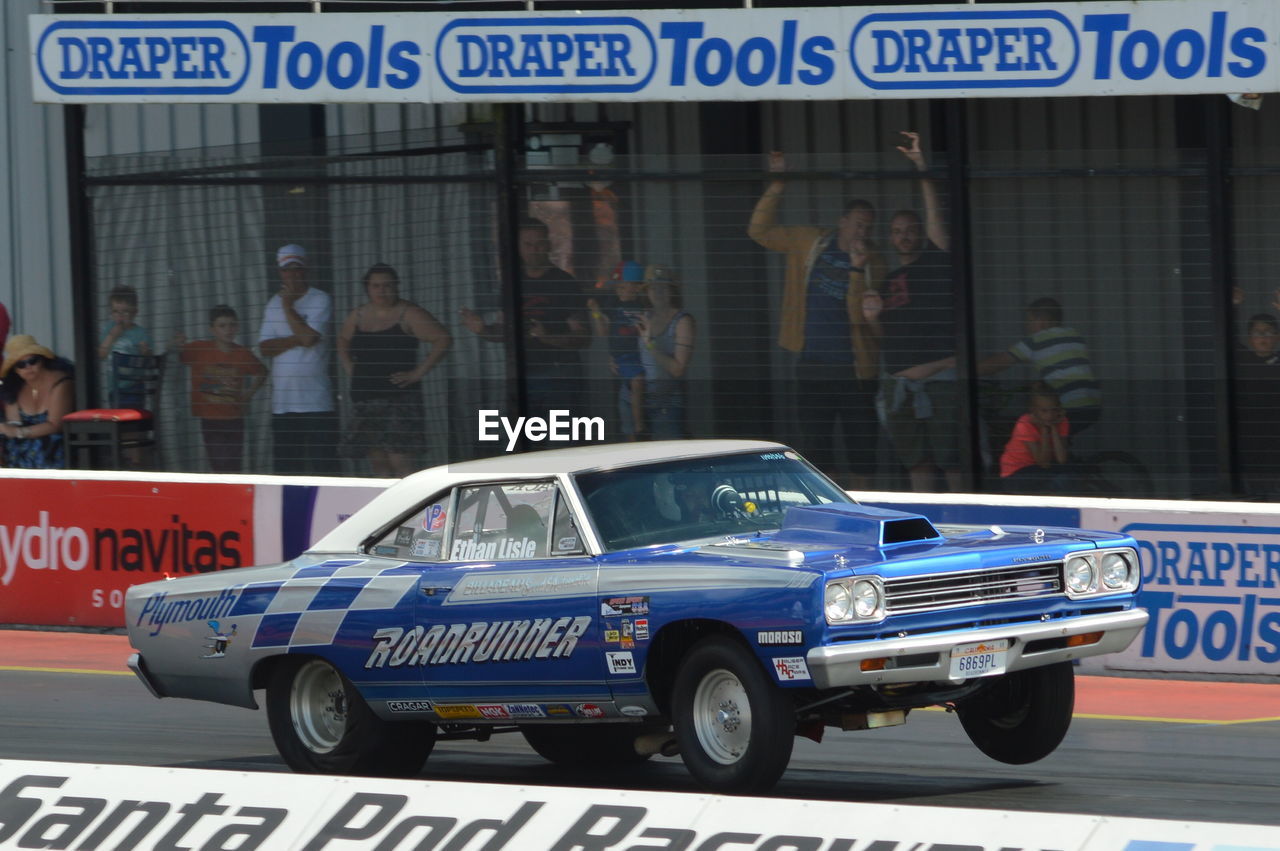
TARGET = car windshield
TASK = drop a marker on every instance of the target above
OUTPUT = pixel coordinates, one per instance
(693, 498)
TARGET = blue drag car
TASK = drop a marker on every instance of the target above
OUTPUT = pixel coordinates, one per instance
(709, 598)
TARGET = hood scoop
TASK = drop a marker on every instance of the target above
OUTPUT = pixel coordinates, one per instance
(840, 525)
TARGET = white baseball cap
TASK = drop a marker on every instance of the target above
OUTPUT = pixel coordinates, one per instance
(291, 255)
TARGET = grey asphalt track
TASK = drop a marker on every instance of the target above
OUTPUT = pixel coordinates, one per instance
(1202, 772)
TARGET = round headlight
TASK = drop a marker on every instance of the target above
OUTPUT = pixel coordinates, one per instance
(838, 602)
(866, 598)
(1079, 575)
(1115, 570)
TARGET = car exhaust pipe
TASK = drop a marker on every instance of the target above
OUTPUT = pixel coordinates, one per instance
(657, 743)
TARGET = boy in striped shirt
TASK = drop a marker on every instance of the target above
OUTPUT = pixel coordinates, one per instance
(1061, 357)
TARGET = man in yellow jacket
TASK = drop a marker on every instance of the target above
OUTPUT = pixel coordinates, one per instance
(830, 272)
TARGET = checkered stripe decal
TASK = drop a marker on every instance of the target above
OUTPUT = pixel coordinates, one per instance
(309, 607)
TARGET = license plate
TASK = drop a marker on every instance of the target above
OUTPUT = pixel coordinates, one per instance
(983, 659)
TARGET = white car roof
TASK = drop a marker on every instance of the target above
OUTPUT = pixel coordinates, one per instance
(412, 490)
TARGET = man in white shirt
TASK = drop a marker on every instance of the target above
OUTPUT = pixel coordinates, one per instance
(294, 335)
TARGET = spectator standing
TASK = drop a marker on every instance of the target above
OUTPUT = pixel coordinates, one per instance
(1035, 458)
(667, 336)
(294, 335)
(123, 335)
(914, 315)
(4, 325)
(224, 377)
(555, 325)
(38, 393)
(1061, 357)
(822, 321)
(615, 321)
(378, 347)
(1258, 406)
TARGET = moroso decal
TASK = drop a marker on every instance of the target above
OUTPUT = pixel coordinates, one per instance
(779, 636)
(479, 641)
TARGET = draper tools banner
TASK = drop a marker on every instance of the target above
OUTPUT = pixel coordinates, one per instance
(1125, 48)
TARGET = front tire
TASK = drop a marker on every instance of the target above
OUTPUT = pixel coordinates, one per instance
(735, 727)
(321, 725)
(1023, 716)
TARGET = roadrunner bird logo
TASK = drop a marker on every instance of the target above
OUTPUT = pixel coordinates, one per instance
(218, 642)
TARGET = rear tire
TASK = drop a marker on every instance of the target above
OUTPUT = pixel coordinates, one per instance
(586, 745)
(321, 725)
(735, 726)
(1023, 716)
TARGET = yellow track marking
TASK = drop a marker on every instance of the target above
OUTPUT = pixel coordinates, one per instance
(66, 671)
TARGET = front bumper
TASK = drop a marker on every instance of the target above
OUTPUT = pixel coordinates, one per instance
(927, 658)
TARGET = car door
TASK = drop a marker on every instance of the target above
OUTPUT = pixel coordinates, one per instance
(507, 619)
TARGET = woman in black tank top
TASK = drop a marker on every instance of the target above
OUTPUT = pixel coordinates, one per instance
(379, 350)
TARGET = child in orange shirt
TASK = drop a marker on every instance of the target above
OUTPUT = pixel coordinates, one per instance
(1035, 458)
(224, 377)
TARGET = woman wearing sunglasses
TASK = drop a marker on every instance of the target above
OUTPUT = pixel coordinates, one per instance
(38, 393)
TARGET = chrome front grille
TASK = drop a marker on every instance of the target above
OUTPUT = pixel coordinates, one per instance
(970, 587)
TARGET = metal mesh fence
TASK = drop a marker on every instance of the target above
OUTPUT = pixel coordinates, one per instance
(1089, 271)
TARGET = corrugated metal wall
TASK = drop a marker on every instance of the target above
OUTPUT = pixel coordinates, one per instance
(34, 232)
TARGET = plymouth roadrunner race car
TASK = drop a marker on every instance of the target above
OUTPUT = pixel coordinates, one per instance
(709, 598)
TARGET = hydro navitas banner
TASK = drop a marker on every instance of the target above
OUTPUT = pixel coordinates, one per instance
(1148, 47)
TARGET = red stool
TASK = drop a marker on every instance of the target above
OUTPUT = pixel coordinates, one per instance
(112, 430)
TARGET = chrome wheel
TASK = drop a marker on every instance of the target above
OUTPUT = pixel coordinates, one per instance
(734, 725)
(722, 716)
(318, 706)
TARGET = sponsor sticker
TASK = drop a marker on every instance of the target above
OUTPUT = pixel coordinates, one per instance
(426, 548)
(612, 636)
(457, 710)
(409, 705)
(434, 519)
(642, 629)
(386, 550)
(556, 710)
(628, 635)
(525, 710)
(613, 607)
(218, 641)
(404, 536)
(775, 637)
(634, 711)
(622, 663)
(590, 710)
(493, 711)
(569, 542)
(791, 668)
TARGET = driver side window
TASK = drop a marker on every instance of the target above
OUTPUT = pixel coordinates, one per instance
(504, 522)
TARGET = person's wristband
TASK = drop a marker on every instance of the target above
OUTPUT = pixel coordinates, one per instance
(22, 433)
(595, 314)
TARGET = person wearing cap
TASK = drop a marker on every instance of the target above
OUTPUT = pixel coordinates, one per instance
(38, 393)
(616, 321)
(295, 336)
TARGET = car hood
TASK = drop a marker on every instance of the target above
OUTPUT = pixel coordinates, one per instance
(862, 539)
